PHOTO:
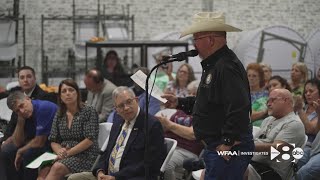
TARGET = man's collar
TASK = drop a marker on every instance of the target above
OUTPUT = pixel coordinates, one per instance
(30, 93)
(214, 58)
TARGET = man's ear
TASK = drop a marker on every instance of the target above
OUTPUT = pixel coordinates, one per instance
(212, 41)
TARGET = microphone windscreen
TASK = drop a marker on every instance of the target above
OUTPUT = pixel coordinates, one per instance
(192, 53)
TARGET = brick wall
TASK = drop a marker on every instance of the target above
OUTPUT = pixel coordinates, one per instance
(153, 17)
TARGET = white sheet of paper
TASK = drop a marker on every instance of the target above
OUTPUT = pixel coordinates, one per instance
(140, 78)
(47, 156)
(5, 112)
(166, 112)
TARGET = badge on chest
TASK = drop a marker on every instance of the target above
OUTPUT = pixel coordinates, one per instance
(208, 79)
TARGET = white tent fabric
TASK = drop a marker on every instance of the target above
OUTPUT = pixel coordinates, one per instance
(278, 53)
(313, 40)
(8, 47)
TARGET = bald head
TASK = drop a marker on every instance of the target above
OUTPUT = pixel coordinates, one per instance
(280, 103)
(285, 94)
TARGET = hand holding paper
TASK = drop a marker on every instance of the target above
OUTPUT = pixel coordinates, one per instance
(140, 78)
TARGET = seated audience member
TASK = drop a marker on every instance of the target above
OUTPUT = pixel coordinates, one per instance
(125, 156)
(308, 114)
(179, 127)
(259, 95)
(275, 82)
(114, 71)
(29, 139)
(27, 81)
(309, 164)
(99, 93)
(281, 127)
(154, 104)
(278, 82)
(164, 74)
(74, 134)
(178, 86)
(299, 75)
(267, 71)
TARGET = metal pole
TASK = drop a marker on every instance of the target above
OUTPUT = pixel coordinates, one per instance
(98, 22)
(24, 39)
(86, 53)
(73, 20)
(42, 50)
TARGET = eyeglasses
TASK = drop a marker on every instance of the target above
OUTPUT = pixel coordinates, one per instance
(128, 102)
(184, 72)
(271, 100)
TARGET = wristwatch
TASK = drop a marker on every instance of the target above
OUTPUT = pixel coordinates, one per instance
(228, 141)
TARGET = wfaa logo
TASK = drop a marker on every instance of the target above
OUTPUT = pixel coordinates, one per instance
(286, 152)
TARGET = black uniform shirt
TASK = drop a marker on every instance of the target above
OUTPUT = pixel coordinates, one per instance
(222, 106)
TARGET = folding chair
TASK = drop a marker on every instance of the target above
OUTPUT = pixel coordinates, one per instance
(171, 146)
(104, 132)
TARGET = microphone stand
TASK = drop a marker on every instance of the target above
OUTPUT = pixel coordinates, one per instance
(165, 60)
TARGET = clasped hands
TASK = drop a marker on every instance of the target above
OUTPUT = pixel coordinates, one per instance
(63, 153)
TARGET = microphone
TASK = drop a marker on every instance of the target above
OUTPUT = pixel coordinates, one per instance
(182, 55)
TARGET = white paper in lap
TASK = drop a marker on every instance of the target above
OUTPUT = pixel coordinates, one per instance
(44, 157)
(140, 78)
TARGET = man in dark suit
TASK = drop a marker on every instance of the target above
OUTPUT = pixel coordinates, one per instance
(125, 157)
(27, 81)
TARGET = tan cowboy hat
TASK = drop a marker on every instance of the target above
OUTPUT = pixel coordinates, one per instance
(208, 21)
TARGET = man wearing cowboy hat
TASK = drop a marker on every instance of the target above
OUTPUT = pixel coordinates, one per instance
(221, 110)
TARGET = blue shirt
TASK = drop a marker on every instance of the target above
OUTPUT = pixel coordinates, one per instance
(41, 119)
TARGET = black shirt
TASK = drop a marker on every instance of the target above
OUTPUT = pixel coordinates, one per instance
(222, 106)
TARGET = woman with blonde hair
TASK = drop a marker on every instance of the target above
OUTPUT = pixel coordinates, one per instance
(299, 75)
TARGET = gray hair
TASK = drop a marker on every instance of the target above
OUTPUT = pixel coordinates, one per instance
(120, 90)
(13, 98)
(193, 85)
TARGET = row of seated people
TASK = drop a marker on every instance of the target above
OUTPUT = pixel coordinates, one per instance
(31, 73)
(185, 73)
(288, 129)
(304, 92)
(71, 131)
(283, 128)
